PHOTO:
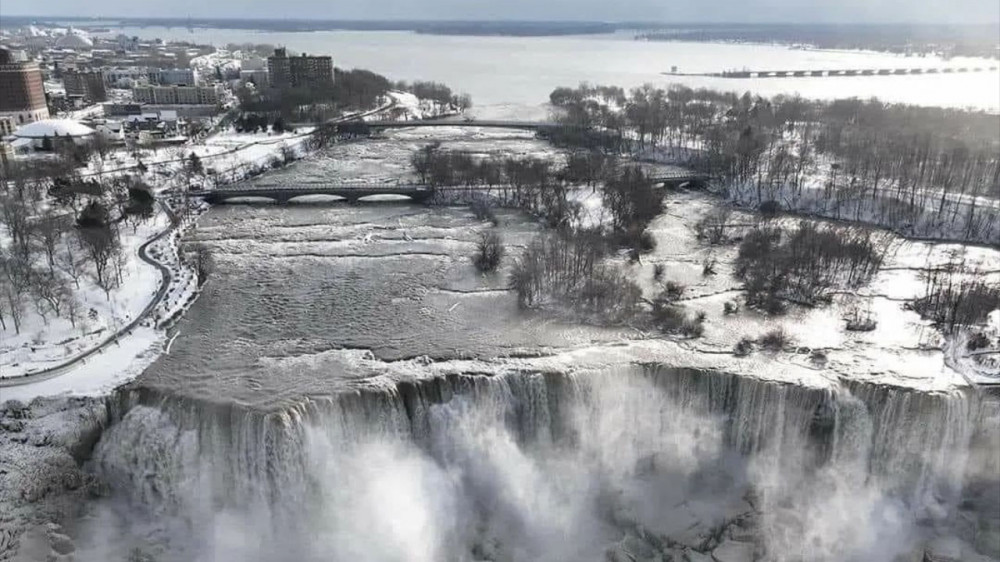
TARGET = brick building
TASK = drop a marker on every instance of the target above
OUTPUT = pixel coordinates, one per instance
(22, 96)
(302, 71)
(88, 85)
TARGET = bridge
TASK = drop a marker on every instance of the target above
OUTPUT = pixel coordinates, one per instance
(676, 178)
(486, 124)
(283, 193)
(840, 73)
(353, 192)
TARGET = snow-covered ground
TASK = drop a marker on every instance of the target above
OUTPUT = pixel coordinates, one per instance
(409, 107)
(47, 342)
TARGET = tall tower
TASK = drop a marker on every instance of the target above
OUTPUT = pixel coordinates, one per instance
(22, 96)
(279, 69)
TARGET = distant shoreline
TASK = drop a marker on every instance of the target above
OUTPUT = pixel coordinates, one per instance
(967, 40)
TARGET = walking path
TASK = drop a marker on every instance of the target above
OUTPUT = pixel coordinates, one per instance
(166, 279)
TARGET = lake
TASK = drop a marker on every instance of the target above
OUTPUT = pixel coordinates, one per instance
(512, 76)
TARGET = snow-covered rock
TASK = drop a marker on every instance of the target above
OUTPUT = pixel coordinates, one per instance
(733, 551)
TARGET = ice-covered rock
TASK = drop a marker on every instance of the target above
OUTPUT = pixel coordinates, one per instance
(733, 551)
(944, 549)
(988, 542)
(695, 556)
(61, 543)
(40, 474)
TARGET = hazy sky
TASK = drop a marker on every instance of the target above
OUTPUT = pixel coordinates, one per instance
(858, 11)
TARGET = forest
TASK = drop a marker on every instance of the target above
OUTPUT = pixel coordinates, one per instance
(924, 172)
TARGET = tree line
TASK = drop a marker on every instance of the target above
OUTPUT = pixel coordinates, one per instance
(566, 268)
(541, 187)
(924, 171)
(351, 90)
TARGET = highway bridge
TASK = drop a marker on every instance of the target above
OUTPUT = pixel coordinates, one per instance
(840, 73)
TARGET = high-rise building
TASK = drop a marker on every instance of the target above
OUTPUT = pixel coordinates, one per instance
(302, 71)
(22, 96)
(86, 84)
(279, 70)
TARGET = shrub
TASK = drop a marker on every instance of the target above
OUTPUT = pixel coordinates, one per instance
(744, 347)
(708, 266)
(672, 291)
(861, 324)
(769, 208)
(489, 252)
(671, 319)
(658, 271)
(694, 328)
(638, 240)
(482, 209)
(714, 227)
(775, 340)
(94, 215)
(977, 341)
(668, 318)
(730, 307)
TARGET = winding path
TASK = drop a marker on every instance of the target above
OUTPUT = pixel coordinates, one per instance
(166, 280)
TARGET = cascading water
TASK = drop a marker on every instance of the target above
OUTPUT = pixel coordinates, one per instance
(531, 466)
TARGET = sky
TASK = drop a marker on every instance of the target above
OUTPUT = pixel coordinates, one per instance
(791, 11)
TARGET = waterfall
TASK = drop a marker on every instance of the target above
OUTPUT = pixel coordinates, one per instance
(546, 466)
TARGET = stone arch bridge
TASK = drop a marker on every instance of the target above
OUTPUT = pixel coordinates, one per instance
(355, 192)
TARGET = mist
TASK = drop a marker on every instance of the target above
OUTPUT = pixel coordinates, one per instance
(520, 468)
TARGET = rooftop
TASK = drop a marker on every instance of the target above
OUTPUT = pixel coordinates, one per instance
(52, 128)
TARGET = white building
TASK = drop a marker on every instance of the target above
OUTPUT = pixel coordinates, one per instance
(126, 77)
(34, 134)
(175, 77)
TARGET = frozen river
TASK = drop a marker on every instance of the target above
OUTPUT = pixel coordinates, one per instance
(511, 77)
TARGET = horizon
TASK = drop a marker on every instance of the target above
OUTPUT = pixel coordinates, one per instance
(506, 20)
(777, 12)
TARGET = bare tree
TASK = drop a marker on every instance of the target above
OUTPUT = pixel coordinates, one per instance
(102, 245)
(204, 263)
